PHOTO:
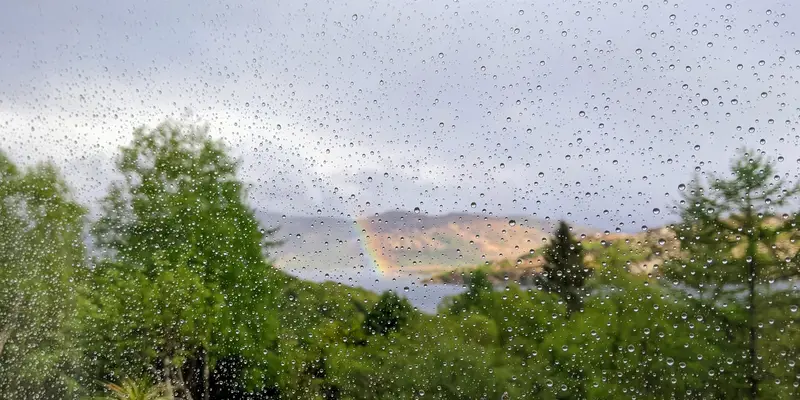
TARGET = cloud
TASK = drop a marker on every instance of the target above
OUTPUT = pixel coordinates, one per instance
(562, 110)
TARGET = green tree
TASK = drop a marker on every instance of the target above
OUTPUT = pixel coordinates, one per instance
(41, 252)
(563, 272)
(737, 259)
(390, 314)
(183, 278)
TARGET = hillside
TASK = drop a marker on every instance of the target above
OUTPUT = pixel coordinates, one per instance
(400, 242)
(640, 252)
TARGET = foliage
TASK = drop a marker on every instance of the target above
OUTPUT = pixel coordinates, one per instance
(133, 390)
(182, 279)
(41, 252)
(390, 314)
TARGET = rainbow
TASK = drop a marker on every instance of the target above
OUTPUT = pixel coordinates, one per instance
(372, 250)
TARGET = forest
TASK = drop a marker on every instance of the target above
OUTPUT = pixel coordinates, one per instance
(170, 294)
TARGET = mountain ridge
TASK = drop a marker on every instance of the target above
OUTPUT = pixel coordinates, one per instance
(402, 241)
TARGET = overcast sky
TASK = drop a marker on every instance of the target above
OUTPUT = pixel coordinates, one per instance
(559, 109)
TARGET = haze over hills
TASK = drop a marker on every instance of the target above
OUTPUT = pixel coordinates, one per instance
(397, 242)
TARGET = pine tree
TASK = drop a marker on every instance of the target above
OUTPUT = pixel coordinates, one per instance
(738, 257)
(564, 272)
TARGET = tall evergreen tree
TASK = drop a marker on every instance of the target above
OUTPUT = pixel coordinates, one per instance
(564, 272)
(41, 252)
(738, 257)
(183, 278)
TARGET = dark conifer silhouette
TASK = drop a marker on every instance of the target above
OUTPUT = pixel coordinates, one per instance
(564, 272)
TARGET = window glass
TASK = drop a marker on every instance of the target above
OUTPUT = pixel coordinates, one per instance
(397, 200)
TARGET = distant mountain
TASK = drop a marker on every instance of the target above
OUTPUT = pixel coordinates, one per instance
(641, 253)
(400, 242)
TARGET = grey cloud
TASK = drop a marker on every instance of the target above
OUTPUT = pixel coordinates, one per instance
(600, 87)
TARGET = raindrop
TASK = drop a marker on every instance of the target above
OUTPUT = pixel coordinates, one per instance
(656, 211)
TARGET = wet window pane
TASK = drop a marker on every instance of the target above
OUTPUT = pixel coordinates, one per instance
(399, 200)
